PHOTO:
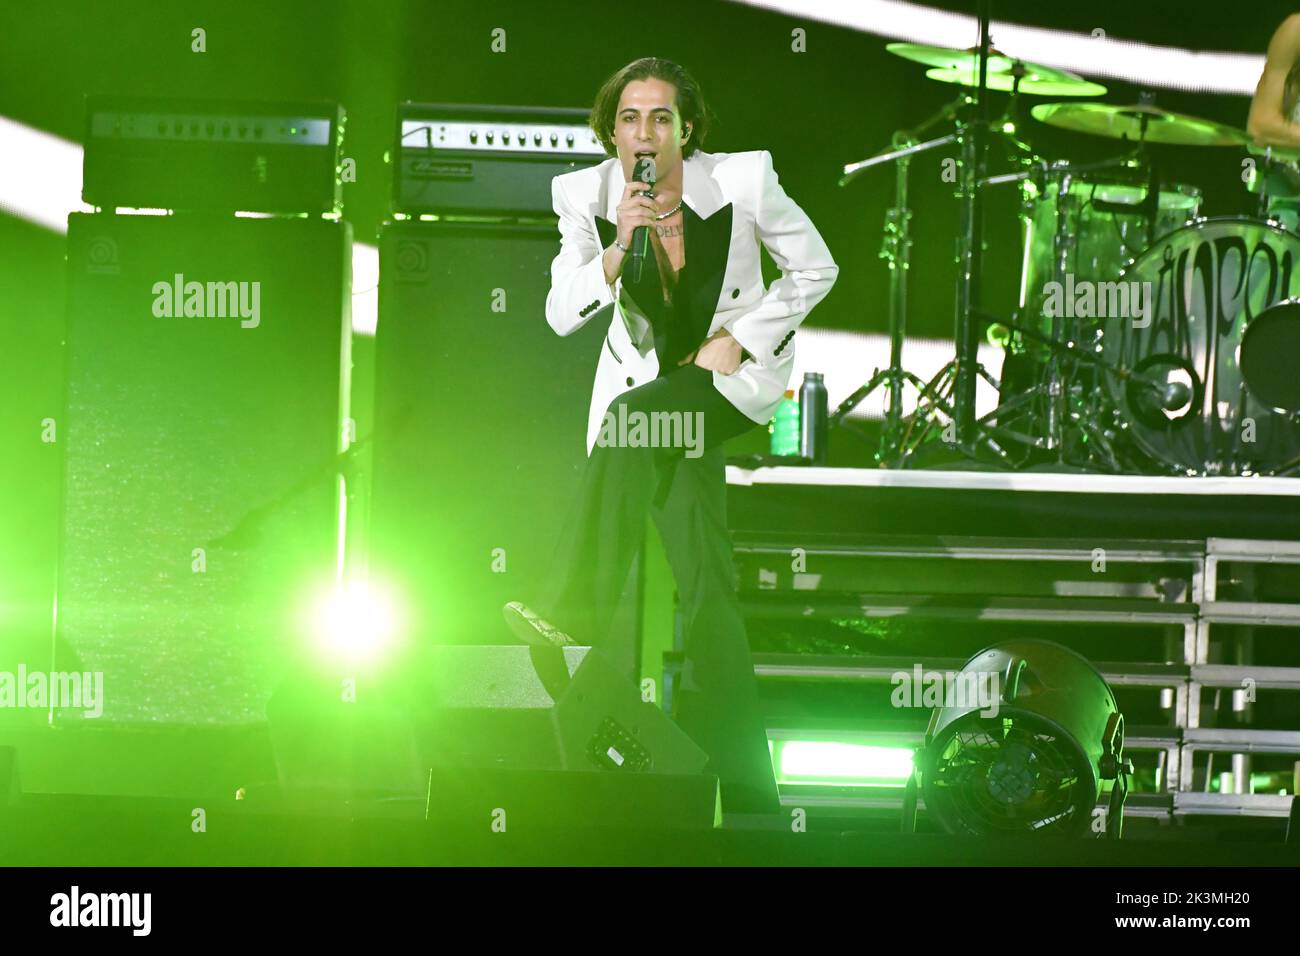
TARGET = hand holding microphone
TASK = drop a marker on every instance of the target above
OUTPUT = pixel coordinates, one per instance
(636, 213)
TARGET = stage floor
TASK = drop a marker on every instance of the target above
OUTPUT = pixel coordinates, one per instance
(1018, 481)
(91, 831)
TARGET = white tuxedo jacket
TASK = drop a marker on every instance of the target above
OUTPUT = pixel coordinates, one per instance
(736, 202)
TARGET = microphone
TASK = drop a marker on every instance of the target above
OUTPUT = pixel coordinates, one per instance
(1160, 396)
(1174, 396)
(643, 171)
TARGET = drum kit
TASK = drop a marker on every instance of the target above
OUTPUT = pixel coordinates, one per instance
(1147, 338)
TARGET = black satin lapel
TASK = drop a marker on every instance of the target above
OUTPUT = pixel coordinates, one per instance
(708, 245)
(606, 230)
(649, 288)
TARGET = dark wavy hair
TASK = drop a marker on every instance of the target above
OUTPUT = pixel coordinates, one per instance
(690, 101)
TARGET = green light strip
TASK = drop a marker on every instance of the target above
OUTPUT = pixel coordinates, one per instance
(839, 764)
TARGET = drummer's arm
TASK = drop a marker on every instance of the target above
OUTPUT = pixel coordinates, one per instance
(1267, 125)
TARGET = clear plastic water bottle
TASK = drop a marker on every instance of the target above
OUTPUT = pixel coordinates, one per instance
(784, 428)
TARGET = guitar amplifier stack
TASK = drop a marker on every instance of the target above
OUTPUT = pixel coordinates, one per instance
(480, 408)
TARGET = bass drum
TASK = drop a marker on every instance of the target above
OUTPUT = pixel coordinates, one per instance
(1181, 390)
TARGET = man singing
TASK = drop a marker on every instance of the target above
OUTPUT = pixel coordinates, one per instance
(697, 335)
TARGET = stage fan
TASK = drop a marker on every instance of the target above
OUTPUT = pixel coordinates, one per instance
(1034, 754)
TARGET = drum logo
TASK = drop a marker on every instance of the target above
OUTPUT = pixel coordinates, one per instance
(1223, 281)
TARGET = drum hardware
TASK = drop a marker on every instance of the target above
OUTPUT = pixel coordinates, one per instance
(1097, 216)
(896, 251)
(937, 397)
(1150, 392)
(1060, 404)
(1133, 123)
(1286, 469)
(1177, 383)
(1042, 168)
(952, 390)
(959, 377)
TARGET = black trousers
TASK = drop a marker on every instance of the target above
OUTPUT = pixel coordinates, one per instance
(716, 703)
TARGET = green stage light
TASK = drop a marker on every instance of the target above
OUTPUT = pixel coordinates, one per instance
(355, 621)
(840, 764)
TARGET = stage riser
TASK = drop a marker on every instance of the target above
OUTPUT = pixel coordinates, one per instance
(1178, 627)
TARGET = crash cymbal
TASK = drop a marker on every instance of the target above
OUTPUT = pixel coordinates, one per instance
(1032, 83)
(947, 59)
(962, 67)
(1138, 122)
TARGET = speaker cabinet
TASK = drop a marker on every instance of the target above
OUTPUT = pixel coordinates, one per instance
(206, 374)
(480, 425)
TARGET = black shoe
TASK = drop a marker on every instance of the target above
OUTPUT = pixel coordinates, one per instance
(532, 629)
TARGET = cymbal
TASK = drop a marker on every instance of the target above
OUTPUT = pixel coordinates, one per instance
(1032, 83)
(946, 59)
(1128, 122)
(962, 67)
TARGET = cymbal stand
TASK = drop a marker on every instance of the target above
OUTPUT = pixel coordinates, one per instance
(952, 391)
(896, 250)
(974, 149)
